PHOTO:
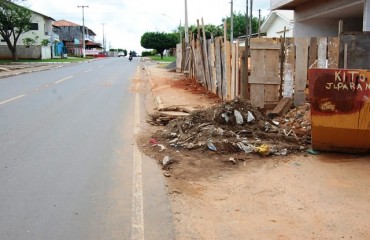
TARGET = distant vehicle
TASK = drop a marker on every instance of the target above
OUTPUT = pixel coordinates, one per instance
(121, 54)
(130, 58)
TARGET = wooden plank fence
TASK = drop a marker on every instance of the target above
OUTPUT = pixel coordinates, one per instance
(278, 67)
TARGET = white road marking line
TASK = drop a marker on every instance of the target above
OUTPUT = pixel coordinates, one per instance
(62, 80)
(137, 232)
(88, 70)
(12, 99)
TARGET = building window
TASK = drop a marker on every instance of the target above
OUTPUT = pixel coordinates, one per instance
(34, 26)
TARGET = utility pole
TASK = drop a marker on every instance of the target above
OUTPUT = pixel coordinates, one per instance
(259, 23)
(186, 24)
(103, 38)
(244, 81)
(251, 19)
(232, 21)
(83, 29)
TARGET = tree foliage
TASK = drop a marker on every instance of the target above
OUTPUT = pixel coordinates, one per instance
(14, 20)
(159, 41)
(239, 25)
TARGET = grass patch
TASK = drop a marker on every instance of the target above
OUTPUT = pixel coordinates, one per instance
(165, 59)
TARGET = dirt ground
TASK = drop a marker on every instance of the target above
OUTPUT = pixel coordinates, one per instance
(232, 194)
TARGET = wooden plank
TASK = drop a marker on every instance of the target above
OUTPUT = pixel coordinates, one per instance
(261, 46)
(272, 68)
(289, 68)
(212, 61)
(258, 95)
(205, 60)
(178, 57)
(257, 66)
(271, 94)
(233, 70)
(282, 107)
(301, 70)
(322, 45)
(225, 60)
(237, 90)
(312, 61)
(228, 69)
(271, 81)
(218, 57)
(224, 74)
(333, 52)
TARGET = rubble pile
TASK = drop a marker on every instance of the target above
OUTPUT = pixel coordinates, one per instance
(297, 120)
(231, 127)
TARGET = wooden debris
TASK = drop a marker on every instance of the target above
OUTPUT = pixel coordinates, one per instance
(281, 108)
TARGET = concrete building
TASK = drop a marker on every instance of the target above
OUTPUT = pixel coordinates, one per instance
(42, 28)
(71, 34)
(318, 18)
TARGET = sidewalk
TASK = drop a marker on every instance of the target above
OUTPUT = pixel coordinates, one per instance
(11, 70)
(246, 196)
(172, 92)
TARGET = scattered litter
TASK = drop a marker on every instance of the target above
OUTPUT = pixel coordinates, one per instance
(238, 117)
(232, 160)
(282, 152)
(153, 142)
(224, 115)
(166, 174)
(162, 147)
(245, 148)
(250, 117)
(167, 160)
(211, 146)
(312, 152)
(264, 150)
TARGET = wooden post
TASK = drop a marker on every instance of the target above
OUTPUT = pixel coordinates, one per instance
(237, 86)
(205, 57)
(301, 70)
(345, 56)
(322, 52)
(233, 68)
(218, 59)
(282, 60)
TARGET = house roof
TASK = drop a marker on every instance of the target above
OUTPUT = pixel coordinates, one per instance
(65, 23)
(286, 15)
(34, 11)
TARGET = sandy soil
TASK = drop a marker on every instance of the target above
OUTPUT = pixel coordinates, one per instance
(299, 196)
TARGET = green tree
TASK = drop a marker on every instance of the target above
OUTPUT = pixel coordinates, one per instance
(14, 20)
(159, 41)
(239, 23)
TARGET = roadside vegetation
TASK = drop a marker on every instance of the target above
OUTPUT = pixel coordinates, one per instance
(164, 59)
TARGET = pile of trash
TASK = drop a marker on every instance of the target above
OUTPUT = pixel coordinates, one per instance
(230, 127)
(297, 120)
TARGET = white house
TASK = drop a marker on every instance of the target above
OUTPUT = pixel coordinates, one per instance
(318, 18)
(42, 28)
(278, 22)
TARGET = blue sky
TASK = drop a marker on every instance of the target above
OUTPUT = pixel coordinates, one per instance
(125, 21)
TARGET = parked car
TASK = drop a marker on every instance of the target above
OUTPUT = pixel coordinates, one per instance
(121, 54)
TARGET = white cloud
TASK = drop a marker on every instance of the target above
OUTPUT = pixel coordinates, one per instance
(125, 21)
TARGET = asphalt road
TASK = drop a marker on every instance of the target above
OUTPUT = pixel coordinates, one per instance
(69, 166)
